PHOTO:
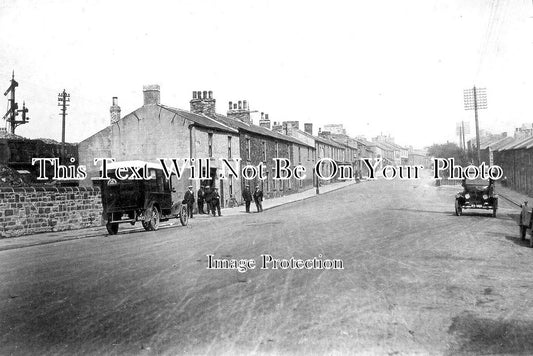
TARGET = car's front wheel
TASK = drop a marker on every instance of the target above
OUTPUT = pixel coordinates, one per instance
(458, 208)
(153, 218)
(184, 216)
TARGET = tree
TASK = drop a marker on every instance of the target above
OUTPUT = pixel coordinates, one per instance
(449, 150)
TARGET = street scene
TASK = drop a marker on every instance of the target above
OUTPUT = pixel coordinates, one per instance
(432, 283)
(266, 178)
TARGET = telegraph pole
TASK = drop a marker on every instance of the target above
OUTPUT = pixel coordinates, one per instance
(63, 101)
(476, 99)
(13, 110)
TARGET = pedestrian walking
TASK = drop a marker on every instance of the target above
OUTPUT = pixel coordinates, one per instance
(247, 197)
(525, 221)
(258, 198)
(189, 200)
(215, 202)
(201, 196)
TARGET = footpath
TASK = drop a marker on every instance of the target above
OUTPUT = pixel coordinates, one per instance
(59, 236)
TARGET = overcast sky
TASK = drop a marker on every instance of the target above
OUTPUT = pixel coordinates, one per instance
(375, 66)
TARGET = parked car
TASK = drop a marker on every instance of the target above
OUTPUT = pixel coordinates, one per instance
(476, 194)
(149, 201)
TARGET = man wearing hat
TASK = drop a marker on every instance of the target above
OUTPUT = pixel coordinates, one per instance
(189, 200)
(525, 221)
(247, 197)
(258, 198)
(215, 202)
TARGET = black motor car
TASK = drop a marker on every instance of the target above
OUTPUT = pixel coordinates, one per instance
(129, 199)
(477, 194)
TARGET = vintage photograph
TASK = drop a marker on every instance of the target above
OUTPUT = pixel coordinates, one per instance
(266, 177)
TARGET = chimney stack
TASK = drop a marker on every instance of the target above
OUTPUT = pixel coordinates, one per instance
(203, 103)
(151, 94)
(265, 121)
(308, 128)
(115, 111)
(239, 111)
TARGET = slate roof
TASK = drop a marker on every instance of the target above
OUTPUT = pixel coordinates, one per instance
(239, 125)
(200, 120)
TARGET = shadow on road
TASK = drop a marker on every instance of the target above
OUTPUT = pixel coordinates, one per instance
(517, 241)
(425, 211)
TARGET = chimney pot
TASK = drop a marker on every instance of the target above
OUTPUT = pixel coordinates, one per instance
(115, 111)
(240, 104)
(151, 94)
(230, 105)
(262, 116)
(266, 116)
(235, 106)
(210, 94)
(194, 95)
(245, 104)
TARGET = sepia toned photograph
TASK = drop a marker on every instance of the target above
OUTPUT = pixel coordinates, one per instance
(266, 177)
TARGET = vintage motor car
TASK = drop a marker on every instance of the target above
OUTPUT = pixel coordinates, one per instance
(476, 194)
(129, 200)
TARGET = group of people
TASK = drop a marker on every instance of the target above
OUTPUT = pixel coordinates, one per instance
(258, 198)
(206, 195)
(211, 198)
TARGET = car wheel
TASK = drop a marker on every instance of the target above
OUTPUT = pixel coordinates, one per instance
(494, 212)
(458, 209)
(154, 218)
(531, 240)
(184, 217)
(146, 226)
(112, 228)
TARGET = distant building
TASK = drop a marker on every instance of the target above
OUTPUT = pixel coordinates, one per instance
(336, 129)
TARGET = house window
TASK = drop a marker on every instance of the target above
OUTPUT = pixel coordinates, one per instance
(230, 183)
(248, 148)
(267, 182)
(277, 149)
(210, 144)
(264, 152)
(308, 154)
(229, 146)
(299, 155)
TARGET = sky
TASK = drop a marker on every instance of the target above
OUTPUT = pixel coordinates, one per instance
(389, 67)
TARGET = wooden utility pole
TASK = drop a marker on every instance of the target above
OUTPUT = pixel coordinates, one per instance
(476, 99)
(63, 101)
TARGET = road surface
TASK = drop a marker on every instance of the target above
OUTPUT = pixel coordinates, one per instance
(416, 279)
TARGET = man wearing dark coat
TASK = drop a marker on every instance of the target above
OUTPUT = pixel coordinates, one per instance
(524, 221)
(247, 197)
(258, 198)
(207, 196)
(215, 202)
(189, 200)
(201, 196)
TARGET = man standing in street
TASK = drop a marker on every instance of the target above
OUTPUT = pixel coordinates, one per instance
(208, 193)
(525, 220)
(201, 195)
(215, 202)
(258, 198)
(247, 197)
(189, 200)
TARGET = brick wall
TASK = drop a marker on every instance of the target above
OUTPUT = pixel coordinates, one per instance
(32, 210)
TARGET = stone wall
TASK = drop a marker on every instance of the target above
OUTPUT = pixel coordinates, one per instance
(32, 210)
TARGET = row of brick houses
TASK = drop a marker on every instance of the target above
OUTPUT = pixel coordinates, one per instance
(157, 131)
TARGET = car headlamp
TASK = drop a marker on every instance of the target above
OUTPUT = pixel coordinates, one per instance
(467, 196)
(485, 196)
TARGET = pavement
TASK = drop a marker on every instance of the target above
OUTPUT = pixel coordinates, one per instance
(67, 235)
